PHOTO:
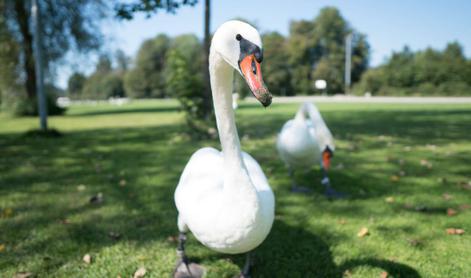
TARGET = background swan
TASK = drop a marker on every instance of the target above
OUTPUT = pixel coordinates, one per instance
(224, 198)
(306, 141)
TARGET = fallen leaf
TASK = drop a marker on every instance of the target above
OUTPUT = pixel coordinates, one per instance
(384, 274)
(447, 196)
(65, 221)
(81, 187)
(453, 231)
(23, 274)
(394, 178)
(451, 212)
(122, 182)
(347, 273)
(87, 259)
(2, 247)
(140, 273)
(414, 242)
(389, 200)
(6, 213)
(363, 232)
(172, 239)
(342, 221)
(465, 207)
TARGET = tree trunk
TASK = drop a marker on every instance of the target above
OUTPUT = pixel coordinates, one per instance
(28, 63)
(207, 87)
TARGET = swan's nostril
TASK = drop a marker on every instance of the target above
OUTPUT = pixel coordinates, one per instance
(254, 67)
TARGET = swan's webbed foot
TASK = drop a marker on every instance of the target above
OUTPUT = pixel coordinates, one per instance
(183, 268)
(331, 193)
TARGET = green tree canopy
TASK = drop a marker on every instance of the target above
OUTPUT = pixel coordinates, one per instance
(316, 51)
(147, 78)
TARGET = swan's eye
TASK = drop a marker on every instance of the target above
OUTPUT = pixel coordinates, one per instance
(238, 37)
(254, 68)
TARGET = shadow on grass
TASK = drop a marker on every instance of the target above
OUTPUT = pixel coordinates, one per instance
(54, 220)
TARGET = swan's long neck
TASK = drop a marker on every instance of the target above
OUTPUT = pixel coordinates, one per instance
(221, 86)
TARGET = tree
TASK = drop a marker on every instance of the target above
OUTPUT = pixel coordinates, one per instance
(147, 78)
(425, 72)
(149, 7)
(75, 84)
(276, 71)
(65, 27)
(316, 49)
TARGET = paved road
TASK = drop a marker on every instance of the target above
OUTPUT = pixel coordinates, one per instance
(357, 99)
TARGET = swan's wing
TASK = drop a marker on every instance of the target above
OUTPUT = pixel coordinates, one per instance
(322, 133)
(200, 180)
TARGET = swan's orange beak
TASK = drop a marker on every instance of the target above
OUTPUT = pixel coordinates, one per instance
(252, 73)
(326, 156)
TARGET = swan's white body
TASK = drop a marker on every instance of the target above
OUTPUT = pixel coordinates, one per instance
(224, 198)
(302, 140)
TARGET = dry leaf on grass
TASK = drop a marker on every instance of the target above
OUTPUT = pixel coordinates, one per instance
(451, 212)
(140, 273)
(81, 187)
(2, 247)
(6, 213)
(87, 259)
(363, 232)
(122, 182)
(342, 221)
(394, 178)
(465, 207)
(172, 239)
(384, 274)
(23, 274)
(447, 196)
(453, 231)
(390, 199)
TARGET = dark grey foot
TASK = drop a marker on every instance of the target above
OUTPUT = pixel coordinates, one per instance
(330, 192)
(185, 269)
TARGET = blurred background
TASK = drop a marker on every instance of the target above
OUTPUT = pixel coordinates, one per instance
(122, 93)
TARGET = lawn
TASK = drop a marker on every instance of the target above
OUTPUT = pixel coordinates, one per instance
(403, 167)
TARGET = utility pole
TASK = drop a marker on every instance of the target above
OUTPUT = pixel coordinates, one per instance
(207, 42)
(40, 95)
(348, 63)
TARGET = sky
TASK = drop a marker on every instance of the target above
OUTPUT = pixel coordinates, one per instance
(388, 24)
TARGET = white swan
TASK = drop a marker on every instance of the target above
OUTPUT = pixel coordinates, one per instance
(224, 198)
(306, 141)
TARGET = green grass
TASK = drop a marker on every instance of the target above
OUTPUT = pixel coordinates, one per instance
(134, 155)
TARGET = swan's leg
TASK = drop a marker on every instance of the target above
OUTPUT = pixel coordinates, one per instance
(329, 191)
(294, 187)
(185, 269)
(248, 264)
